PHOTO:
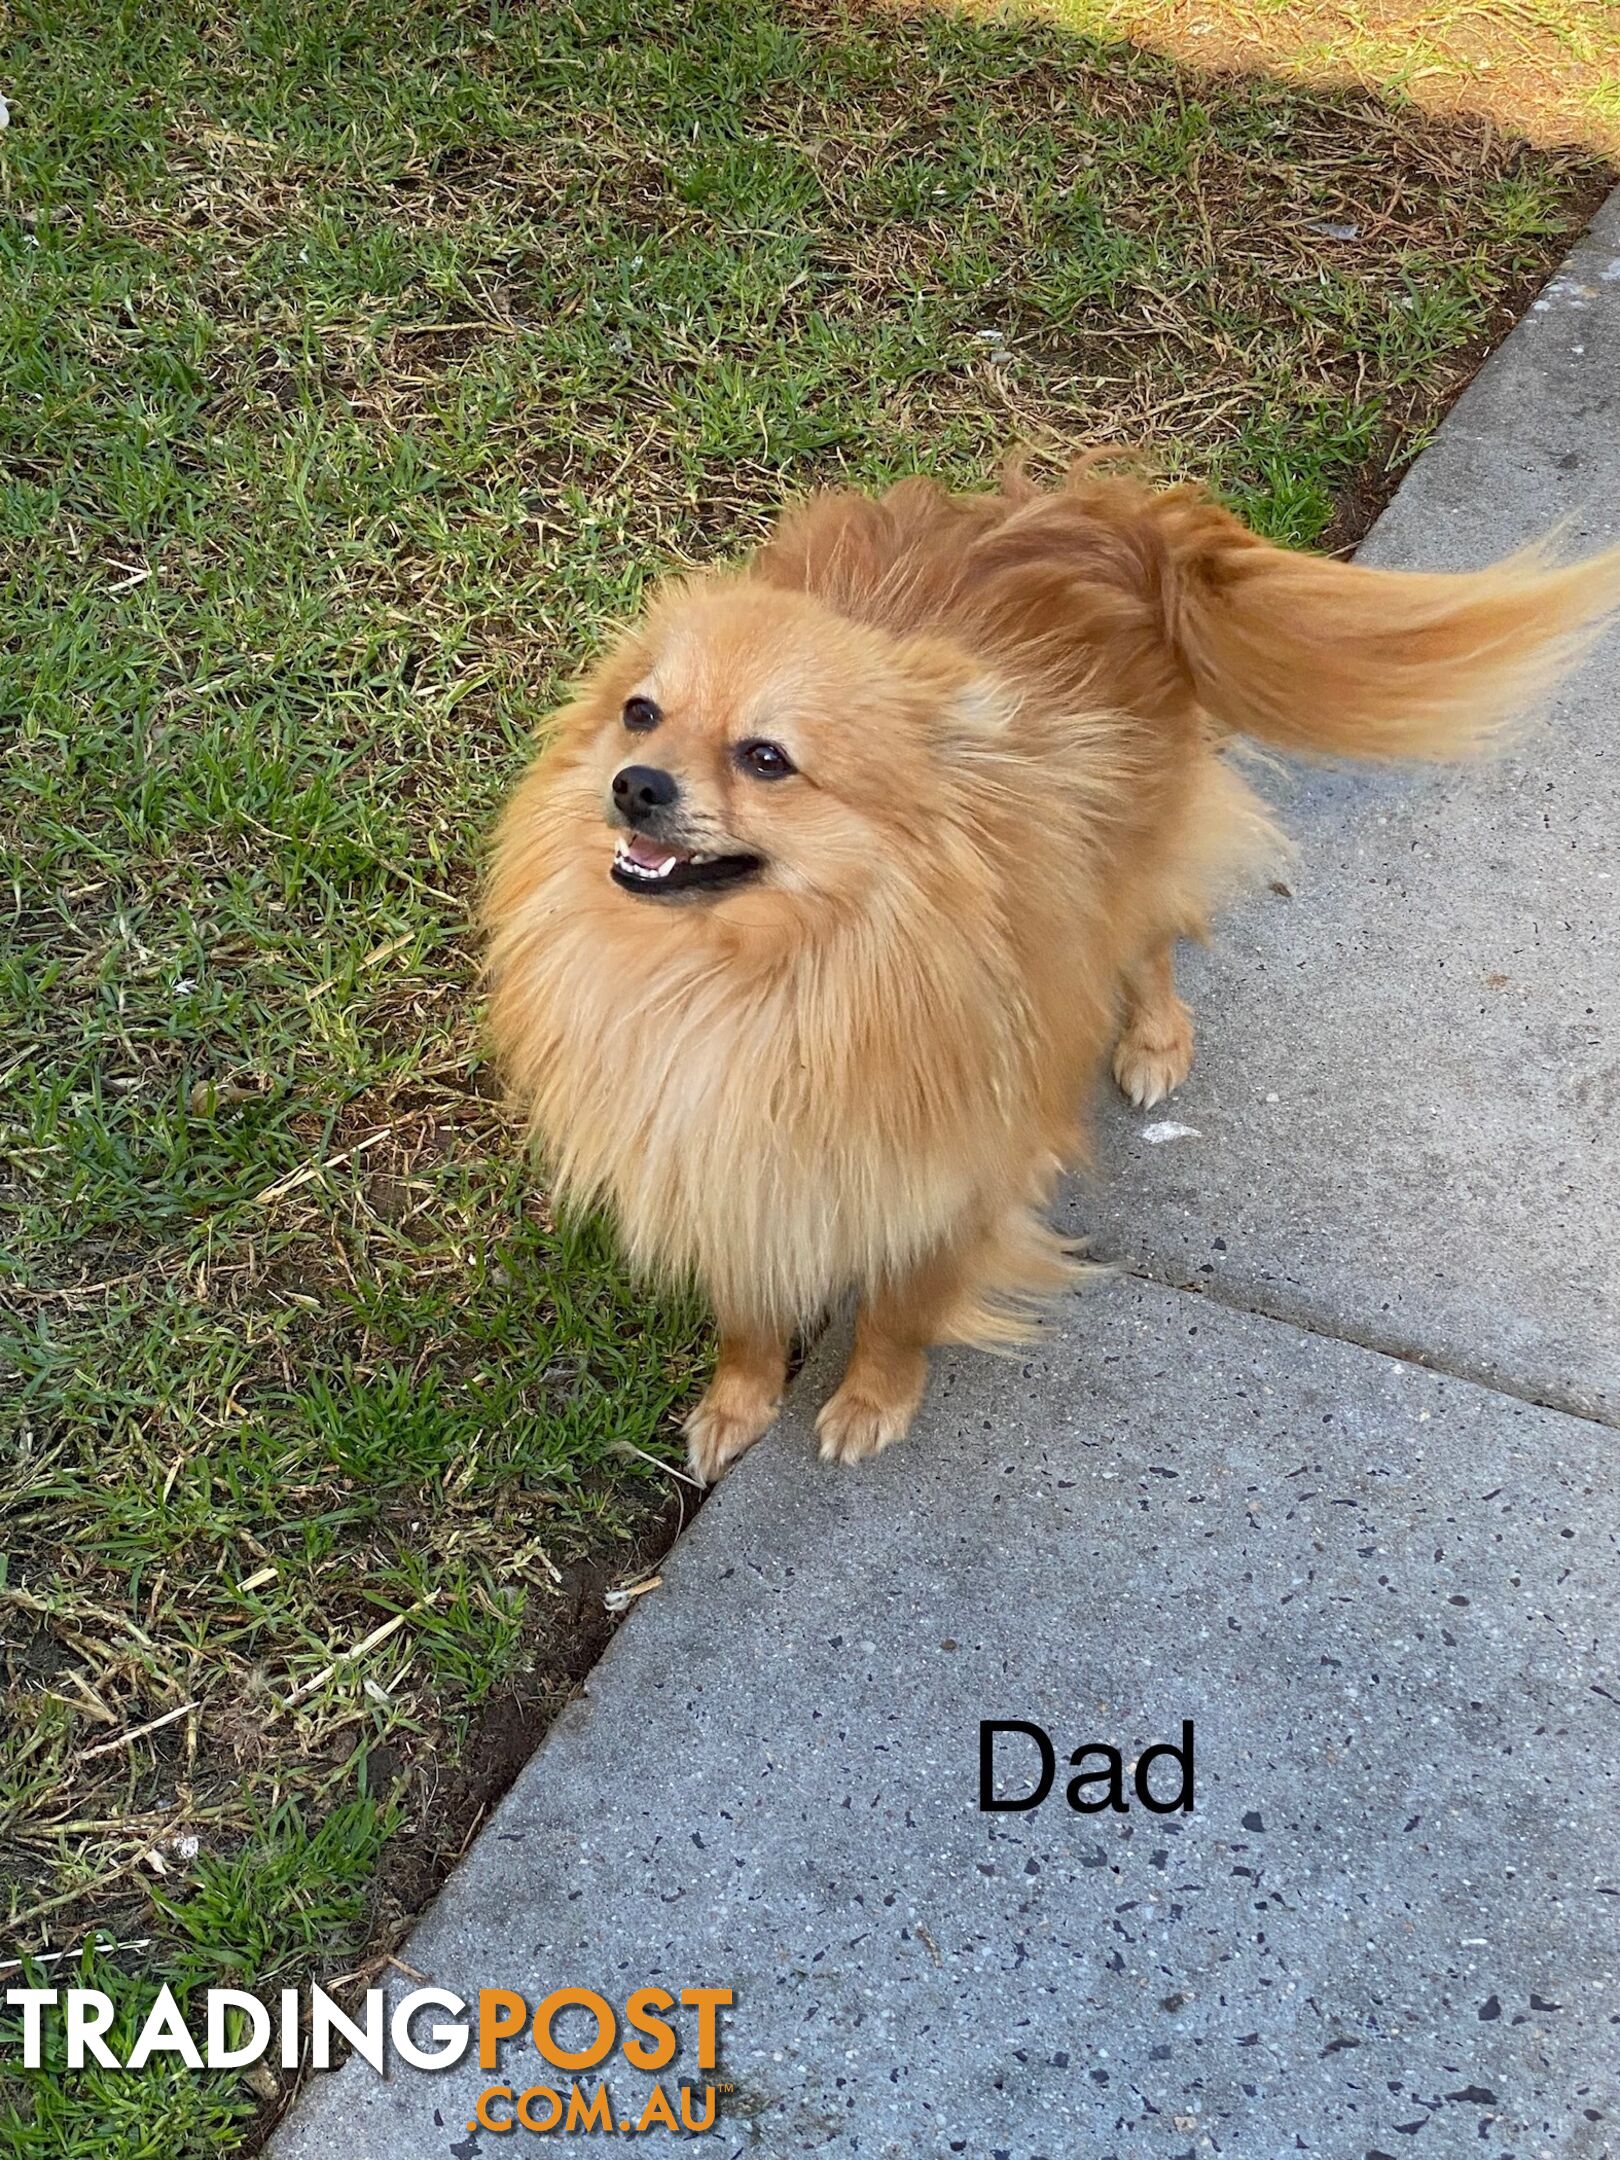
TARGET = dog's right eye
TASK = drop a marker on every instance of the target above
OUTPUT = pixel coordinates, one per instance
(640, 714)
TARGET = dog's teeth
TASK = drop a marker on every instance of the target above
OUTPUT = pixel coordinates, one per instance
(649, 872)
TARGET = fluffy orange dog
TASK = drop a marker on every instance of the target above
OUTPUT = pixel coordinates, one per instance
(845, 873)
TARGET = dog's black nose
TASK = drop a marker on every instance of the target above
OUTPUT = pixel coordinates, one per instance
(642, 790)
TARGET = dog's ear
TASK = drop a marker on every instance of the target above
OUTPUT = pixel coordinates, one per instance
(966, 709)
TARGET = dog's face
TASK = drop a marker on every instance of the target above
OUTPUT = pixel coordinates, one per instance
(745, 741)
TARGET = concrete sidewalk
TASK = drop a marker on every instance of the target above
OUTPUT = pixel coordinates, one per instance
(1383, 1594)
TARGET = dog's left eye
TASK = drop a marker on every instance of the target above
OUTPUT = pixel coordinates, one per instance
(640, 714)
(765, 760)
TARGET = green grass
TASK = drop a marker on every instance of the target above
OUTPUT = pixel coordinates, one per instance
(358, 363)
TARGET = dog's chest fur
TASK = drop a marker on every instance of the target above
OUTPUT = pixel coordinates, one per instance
(778, 1135)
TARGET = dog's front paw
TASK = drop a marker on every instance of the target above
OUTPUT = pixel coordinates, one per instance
(857, 1421)
(1152, 1058)
(717, 1432)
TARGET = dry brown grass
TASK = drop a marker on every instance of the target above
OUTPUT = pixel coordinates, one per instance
(1545, 70)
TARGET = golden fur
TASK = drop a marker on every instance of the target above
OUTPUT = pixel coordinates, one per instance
(862, 1069)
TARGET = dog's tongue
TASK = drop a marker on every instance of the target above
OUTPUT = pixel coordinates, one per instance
(651, 853)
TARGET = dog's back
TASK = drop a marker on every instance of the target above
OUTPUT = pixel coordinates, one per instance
(1160, 598)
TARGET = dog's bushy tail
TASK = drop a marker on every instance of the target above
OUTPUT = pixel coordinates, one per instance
(1338, 658)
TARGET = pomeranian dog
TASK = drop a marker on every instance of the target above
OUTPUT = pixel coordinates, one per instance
(848, 871)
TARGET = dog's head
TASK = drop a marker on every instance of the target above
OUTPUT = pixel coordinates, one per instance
(746, 742)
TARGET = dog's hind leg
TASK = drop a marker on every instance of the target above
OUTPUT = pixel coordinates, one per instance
(1154, 1053)
(741, 1401)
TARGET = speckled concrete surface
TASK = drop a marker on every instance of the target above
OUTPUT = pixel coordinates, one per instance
(1408, 1082)
(1385, 1599)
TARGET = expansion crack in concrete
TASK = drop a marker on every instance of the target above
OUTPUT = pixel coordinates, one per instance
(1394, 1347)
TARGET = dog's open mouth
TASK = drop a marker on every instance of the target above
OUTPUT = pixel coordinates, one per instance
(648, 866)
